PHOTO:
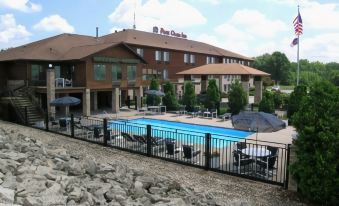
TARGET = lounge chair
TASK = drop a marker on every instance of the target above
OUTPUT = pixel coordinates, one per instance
(140, 139)
(196, 112)
(190, 153)
(266, 164)
(128, 137)
(225, 116)
(97, 133)
(171, 148)
(241, 161)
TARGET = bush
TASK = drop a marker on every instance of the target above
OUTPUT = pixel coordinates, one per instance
(153, 100)
(212, 95)
(169, 100)
(295, 101)
(237, 98)
(278, 99)
(317, 166)
(189, 99)
(267, 103)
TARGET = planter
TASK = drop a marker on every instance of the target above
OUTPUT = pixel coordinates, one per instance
(215, 162)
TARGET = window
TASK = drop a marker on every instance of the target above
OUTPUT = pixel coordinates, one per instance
(212, 60)
(116, 72)
(209, 60)
(99, 72)
(165, 74)
(166, 56)
(192, 59)
(140, 52)
(57, 71)
(186, 56)
(131, 72)
(36, 71)
(157, 56)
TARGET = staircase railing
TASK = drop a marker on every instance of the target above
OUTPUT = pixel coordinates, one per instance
(34, 101)
(16, 107)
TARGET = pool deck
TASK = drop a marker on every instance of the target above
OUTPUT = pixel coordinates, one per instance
(283, 136)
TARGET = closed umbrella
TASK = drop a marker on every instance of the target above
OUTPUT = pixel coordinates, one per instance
(65, 102)
(257, 121)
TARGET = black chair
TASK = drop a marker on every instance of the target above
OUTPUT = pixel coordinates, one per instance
(140, 139)
(128, 137)
(97, 133)
(190, 153)
(241, 146)
(171, 148)
(53, 121)
(266, 164)
(63, 124)
(241, 160)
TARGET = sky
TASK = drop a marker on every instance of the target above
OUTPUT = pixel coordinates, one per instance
(248, 27)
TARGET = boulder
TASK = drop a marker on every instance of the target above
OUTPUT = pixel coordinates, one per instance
(90, 167)
(6, 195)
(146, 181)
(9, 181)
(19, 157)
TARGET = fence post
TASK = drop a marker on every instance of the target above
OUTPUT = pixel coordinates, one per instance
(26, 116)
(106, 134)
(290, 183)
(72, 125)
(207, 151)
(141, 102)
(128, 102)
(149, 140)
(136, 102)
(46, 121)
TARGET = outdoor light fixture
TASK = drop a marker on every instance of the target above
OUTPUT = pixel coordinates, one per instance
(50, 65)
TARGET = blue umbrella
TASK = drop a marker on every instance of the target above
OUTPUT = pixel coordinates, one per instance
(155, 93)
(65, 102)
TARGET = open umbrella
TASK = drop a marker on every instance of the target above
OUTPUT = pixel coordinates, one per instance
(155, 93)
(65, 102)
(257, 121)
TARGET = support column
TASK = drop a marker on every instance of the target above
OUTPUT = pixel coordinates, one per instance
(50, 84)
(138, 93)
(86, 102)
(245, 81)
(115, 99)
(95, 101)
(258, 89)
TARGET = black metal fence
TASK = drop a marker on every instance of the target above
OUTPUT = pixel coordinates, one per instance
(257, 160)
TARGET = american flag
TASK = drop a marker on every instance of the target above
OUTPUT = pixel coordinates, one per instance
(298, 25)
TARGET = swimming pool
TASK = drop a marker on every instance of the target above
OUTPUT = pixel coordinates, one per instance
(191, 133)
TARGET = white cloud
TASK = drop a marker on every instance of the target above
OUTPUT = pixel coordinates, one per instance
(213, 2)
(171, 14)
(54, 23)
(113, 29)
(10, 31)
(21, 5)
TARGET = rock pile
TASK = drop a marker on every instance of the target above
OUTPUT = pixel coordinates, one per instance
(32, 173)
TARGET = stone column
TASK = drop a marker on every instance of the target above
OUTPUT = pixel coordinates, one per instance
(50, 84)
(115, 99)
(138, 93)
(245, 81)
(86, 102)
(292, 183)
(95, 101)
(258, 89)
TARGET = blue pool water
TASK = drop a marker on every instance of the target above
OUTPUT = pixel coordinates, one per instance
(191, 133)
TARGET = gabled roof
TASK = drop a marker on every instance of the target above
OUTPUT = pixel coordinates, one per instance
(224, 69)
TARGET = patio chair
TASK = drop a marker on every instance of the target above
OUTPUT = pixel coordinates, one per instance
(53, 121)
(97, 133)
(266, 164)
(68, 83)
(88, 131)
(225, 116)
(128, 137)
(171, 148)
(63, 124)
(214, 112)
(242, 161)
(190, 153)
(182, 109)
(196, 112)
(140, 139)
(206, 113)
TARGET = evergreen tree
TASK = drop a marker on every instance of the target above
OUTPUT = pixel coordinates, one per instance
(189, 98)
(212, 95)
(267, 103)
(317, 166)
(295, 101)
(153, 100)
(237, 98)
(170, 100)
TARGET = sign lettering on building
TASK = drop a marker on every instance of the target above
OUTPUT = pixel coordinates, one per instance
(168, 32)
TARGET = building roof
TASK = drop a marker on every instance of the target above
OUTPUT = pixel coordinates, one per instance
(74, 46)
(224, 69)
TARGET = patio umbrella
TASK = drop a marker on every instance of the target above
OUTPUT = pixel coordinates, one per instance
(65, 102)
(154, 93)
(257, 121)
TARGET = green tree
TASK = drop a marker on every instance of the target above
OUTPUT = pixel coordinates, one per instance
(237, 98)
(212, 95)
(153, 100)
(278, 99)
(267, 103)
(316, 169)
(295, 101)
(189, 98)
(170, 100)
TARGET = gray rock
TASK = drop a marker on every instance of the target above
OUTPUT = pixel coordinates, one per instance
(90, 167)
(19, 157)
(138, 189)
(74, 168)
(6, 195)
(9, 181)
(30, 186)
(146, 181)
(75, 194)
(31, 201)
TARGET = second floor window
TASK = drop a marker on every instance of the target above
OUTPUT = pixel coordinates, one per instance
(210, 60)
(131, 72)
(116, 72)
(192, 59)
(140, 52)
(36, 71)
(166, 56)
(99, 72)
(157, 55)
(186, 58)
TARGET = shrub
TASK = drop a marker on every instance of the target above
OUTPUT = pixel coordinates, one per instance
(237, 98)
(267, 103)
(212, 95)
(170, 100)
(189, 98)
(278, 99)
(153, 100)
(295, 101)
(317, 166)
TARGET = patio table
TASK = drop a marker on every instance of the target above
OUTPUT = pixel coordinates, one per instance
(256, 152)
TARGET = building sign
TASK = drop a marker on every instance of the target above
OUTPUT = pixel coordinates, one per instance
(168, 32)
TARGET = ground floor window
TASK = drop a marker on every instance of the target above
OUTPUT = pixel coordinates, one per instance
(99, 72)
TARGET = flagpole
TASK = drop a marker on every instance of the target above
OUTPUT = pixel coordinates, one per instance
(298, 67)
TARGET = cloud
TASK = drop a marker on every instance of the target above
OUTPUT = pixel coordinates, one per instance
(54, 23)
(21, 5)
(10, 31)
(213, 2)
(171, 14)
